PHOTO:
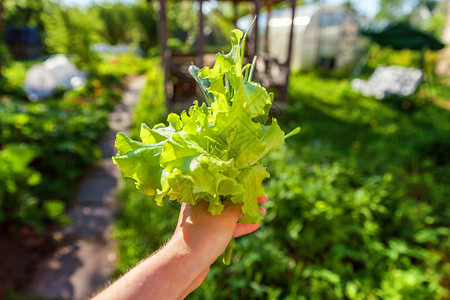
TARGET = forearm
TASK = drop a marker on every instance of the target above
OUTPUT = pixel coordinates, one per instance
(183, 263)
(171, 273)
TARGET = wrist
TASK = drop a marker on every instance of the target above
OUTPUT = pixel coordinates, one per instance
(204, 243)
(193, 248)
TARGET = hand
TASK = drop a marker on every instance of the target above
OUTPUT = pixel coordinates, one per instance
(202, 231)
(208, 236)
(182, 264)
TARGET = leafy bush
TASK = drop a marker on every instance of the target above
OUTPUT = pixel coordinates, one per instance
(57, 139)
(16, 180)
(69, 31)
(64, 143)
(116, 67)
(13, 73)
(115, 20)
(151, 108)
(145, 17)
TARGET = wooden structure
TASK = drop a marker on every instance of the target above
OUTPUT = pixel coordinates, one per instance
(176, 64)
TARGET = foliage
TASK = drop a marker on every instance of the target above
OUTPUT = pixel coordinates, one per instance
(24, 12)
(13, 76)
(69, 31)
(114, 68)
(16, 179)
(220, 21)
(57, 140)
(357, 204)
(62, 137)
(394, 9)
(436, 23)
(144, 15)
(434, 88)
(115, 19)
(410, 11)
(387, 56)
(182, 24)
(151, 108)
(117, 23)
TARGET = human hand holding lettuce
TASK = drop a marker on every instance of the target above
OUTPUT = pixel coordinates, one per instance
(212, 152)
(179, 267)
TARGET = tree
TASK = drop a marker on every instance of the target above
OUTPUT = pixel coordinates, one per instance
(116, 23)
(24, 12)
(145, 17)
(69, 31)
(400, 9)
(393, 9)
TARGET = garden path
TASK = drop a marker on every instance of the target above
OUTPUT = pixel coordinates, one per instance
(85, 260)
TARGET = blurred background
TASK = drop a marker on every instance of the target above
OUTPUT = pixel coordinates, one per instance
(358, 201)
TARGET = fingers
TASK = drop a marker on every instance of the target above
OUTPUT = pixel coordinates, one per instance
(263, 199)
(231, 212)
(243, 229)
(262, 210)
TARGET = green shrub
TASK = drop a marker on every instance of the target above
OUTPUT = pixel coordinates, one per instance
(64, 139)
(116, 67)
(145, 17)
(58, 138)
(151, 108)
(115, 20)
(69, 31)
(16, 180)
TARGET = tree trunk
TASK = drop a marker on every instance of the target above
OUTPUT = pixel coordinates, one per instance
(165, 52)
(2, 22)
(443, 65)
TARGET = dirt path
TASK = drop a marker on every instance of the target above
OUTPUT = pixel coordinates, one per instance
(85, 260)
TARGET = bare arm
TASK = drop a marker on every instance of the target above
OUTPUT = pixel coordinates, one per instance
(183, 263)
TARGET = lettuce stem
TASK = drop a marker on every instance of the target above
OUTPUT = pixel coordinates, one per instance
(252, 68)
(227, 253)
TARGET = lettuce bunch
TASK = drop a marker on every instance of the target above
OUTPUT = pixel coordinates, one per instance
(212, 152)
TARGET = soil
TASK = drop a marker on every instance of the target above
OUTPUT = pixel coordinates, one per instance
(21, 248)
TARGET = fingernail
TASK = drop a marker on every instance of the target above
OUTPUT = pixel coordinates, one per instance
(263, 210)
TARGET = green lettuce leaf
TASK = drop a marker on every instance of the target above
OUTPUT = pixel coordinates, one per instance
(210, 152)
(140, 161)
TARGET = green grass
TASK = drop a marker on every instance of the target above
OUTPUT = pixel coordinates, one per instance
(358, 204)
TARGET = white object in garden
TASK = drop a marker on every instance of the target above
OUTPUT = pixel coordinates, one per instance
(324, 35)
(117, 49)
(43, 79)
(389, 80)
